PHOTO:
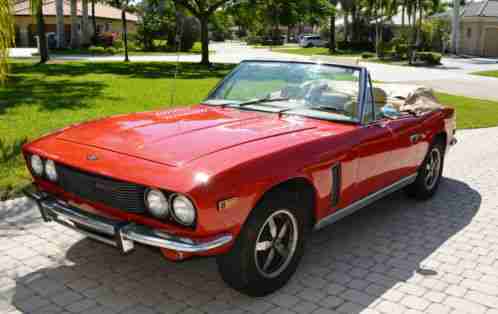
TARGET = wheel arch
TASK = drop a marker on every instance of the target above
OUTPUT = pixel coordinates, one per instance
(441, 137)
(301, 189)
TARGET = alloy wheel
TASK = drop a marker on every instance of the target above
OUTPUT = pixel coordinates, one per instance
(432, 168)
(276, 243)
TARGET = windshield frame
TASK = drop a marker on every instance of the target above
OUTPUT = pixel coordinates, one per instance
(362, 81)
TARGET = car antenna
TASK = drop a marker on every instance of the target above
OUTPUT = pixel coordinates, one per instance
(178, 47)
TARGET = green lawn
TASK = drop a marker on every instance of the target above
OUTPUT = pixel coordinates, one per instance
(487, 73)
(41, 98)
(472, 113)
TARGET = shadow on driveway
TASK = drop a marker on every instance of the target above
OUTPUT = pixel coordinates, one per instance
(347, 266)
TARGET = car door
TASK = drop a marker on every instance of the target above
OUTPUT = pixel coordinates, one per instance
(376, 143)
(410, 146)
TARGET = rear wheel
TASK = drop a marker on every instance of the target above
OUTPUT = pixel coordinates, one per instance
(429, 174)
(268, 250)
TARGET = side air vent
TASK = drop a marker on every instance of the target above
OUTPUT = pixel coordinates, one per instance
(336, 185)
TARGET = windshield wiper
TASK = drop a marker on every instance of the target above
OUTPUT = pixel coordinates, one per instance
(332, 109)
(322, 108)
(262, 100)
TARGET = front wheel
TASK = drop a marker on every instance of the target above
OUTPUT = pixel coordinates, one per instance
(429, 174)
(268, 250)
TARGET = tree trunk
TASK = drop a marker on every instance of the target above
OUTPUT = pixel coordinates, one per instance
(42, 38)
(75, 38)
(85, 34)
(455, 27)
(346, 25)
(125, 35)
(59, 9)
(354, 16)
(377, 32)
(403, 11)
(205, 39)
(420, 19)
(332, 43)
(94, 22)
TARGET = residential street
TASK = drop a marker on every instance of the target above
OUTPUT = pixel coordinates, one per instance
(396, 256)
(453, 77)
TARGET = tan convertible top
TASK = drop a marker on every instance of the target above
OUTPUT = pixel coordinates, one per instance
(402, 97)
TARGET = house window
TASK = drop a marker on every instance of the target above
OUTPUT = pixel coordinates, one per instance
(469, 32)
(107, 27)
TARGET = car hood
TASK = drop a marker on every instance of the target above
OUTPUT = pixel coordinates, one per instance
(175, 137)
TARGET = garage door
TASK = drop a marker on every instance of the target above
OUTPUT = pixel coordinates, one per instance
(491, 42)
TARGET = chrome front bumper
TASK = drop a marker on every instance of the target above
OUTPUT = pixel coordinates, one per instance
(120, 234)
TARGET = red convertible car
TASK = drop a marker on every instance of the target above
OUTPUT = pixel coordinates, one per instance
(276, 150)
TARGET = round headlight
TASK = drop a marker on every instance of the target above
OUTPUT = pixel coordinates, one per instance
(50, 170)
(183, 210)
(157, 204)
(37, 165)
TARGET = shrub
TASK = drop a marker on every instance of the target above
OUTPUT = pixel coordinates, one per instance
(384, 49)
(191, 32)
(431, 58)
(367, 55)
(401, 51)
(111, 50)
(356, 45)
(254, 40)
(119, 43)
(107, 39)
(96, 50)
(400, 47)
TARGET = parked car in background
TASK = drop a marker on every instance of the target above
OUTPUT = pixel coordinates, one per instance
(312, 41)
(276, 150)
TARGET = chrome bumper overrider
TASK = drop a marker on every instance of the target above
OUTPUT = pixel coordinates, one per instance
(120, 234)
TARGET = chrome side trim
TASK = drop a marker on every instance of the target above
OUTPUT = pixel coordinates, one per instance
(344, 212)
(118, 233)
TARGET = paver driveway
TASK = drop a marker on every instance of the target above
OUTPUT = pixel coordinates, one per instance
(397, 256)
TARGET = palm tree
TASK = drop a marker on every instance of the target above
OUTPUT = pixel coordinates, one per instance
(37, 11)
(332, 41)
(94, 23)
(347, 6)
(7, 37)
(123, 6)
(75, 38)
(84, 23)
(59, 17)
(455, 27)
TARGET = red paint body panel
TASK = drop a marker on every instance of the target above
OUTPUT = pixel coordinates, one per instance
(212, 154)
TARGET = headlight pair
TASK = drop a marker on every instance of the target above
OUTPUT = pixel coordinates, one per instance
(41, 168)
(179, 206)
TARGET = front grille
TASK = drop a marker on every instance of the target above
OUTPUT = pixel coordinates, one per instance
(95, 188)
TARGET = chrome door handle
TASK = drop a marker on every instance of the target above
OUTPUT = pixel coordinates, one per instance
(415, 138)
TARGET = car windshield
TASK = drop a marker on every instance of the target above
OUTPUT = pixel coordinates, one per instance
(317, 90)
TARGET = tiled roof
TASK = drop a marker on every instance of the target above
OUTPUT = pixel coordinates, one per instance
(487, 8)
(22, 7)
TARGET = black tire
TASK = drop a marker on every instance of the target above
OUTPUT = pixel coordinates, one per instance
(428, 179)
(241, 268)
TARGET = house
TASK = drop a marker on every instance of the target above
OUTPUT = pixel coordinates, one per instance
(108, 19)
(478, 28)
